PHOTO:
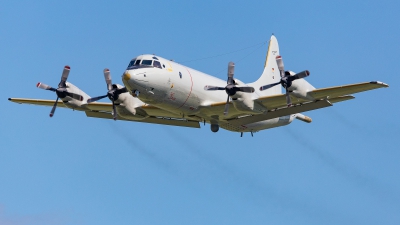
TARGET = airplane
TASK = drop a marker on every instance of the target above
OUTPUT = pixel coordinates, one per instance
(161, 91)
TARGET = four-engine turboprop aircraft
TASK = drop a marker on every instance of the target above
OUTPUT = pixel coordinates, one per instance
(161, 91)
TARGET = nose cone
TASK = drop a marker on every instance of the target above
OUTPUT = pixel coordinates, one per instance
(126, 79)
(132, 80)
(126, 76)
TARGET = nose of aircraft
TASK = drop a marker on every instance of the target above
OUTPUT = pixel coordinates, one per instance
(132, 80)
(126, 76)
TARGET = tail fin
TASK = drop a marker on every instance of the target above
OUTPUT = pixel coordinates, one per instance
(271, 72)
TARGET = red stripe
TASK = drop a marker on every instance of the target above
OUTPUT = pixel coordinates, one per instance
(191, 80)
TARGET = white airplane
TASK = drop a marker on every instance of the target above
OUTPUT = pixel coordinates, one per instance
(161, 91)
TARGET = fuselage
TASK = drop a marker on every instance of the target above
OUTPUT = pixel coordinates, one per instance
(180, 89)
(171, 86)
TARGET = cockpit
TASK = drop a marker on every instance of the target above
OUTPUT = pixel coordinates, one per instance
(145, 63)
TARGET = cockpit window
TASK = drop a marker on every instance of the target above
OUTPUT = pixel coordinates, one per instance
(145, 63)
(131, 63)
(157, 64)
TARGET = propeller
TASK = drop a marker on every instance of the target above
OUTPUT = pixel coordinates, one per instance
(61, 91)
(286, 79)
(112, 93)
(231, 87)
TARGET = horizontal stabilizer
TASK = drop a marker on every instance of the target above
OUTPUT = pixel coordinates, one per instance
(156, 120)
(281, 112)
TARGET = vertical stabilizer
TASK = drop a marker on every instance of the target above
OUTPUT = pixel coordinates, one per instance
(271, 72)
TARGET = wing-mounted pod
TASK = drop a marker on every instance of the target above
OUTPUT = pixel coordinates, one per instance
(123, 103)
(72, 96)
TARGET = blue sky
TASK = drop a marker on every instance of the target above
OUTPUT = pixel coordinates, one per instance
(340, 169)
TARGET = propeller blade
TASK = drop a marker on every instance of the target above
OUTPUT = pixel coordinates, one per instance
(74, 96)
(54, 108)
(288, 100)
(300, 75)
(246, 89)
(96, 98)
(114, 112)
(265, 87)
(226, 106)
(279, 62)
(213, 88)
(231, 71)
(45, 87)
(107, 77)
(64, 77)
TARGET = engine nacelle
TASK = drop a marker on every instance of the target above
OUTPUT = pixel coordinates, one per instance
(243, 102)
(128, 106)
(300, 88)
(74, 103)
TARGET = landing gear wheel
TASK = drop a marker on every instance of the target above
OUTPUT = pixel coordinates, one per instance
(214, 127)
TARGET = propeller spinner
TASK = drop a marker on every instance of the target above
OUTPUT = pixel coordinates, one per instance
(231, 87)
(113, 92)
(286, 79)
(61, 91)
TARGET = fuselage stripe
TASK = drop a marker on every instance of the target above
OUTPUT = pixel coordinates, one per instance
(191, 87)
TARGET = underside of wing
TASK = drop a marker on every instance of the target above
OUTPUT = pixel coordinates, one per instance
(333, 92)
(95, 106)
(37, 102)
(151, 119)
(104, 109)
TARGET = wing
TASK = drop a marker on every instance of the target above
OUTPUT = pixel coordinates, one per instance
(103, 110)
(277, 105)
(331, 94)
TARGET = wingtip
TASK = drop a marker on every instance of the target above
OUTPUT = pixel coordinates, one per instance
(380, 83)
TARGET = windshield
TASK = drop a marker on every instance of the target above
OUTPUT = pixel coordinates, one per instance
(145, 63)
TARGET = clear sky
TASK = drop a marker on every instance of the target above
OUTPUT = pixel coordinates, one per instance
(343, 168)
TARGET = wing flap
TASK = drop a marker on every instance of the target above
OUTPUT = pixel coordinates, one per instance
(156, 120)
(341, 98)
(99, 106)
(281, 112)
(279, 101)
